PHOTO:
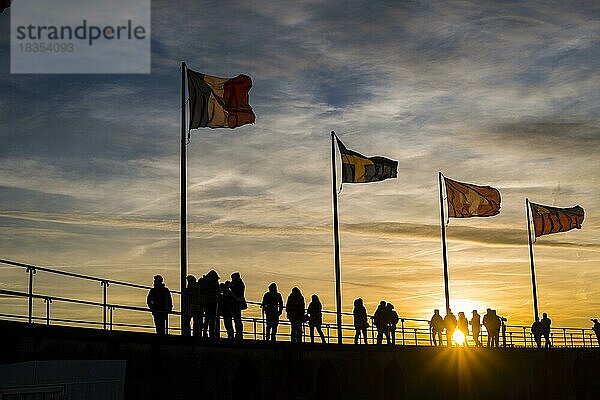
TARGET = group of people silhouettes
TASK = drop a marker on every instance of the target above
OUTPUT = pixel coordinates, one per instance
(491, 321)
(385, 320)
(205, 302)
(296, 312)
(542, 328)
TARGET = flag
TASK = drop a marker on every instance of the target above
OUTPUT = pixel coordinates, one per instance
(219, 102)
(357, 168)
(548, 219)
(4, 4)
(466, 200)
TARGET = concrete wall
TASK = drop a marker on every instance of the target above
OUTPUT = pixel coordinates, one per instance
(187, 368)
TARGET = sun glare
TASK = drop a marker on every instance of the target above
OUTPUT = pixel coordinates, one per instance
(459, 337)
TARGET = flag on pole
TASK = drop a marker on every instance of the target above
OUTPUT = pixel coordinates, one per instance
(219, 102)
(4, 4)
(357, 168)
(548, 219)
(466, 200)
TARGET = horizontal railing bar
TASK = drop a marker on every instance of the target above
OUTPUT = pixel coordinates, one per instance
(80, 276)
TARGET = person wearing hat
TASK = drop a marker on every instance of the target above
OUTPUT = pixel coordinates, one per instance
(160, 303)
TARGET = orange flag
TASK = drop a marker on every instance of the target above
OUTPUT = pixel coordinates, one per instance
(466, 200)
(548, 219)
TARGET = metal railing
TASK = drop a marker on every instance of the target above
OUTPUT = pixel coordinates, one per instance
(409, 331)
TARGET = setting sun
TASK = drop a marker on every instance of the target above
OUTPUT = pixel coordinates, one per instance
(459, 338)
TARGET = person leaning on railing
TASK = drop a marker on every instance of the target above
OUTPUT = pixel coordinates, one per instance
(160, 303)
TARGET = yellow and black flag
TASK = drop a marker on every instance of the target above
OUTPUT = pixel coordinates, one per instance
(357, 168)
(548, 219)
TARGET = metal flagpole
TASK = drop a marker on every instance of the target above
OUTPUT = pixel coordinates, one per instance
(533, 284)
(183, 226)
(336, 241)
(444, 250)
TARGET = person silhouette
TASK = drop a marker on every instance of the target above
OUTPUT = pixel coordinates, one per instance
(226, 304)
(463, 326)
(315, 318)
(211, 299)
(200, 298)
(188, 292)
(476, 327)
(272, 306)
(545, 323)
(450, 325)
(191, 308)
(490, 321)
(503, 327)
(596, 329)
(160, 303)
(294, 307)
(380, 318)
(436, 324)
(495, 326)
(537, 330)
(392, 317)
(361, 322)
(238, 288)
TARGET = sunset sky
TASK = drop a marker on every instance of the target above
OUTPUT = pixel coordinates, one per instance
(506, 95)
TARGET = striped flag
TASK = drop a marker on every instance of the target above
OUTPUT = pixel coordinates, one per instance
(548, 219)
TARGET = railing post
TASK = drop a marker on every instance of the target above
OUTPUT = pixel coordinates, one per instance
(264, 328)
(510, 336)
(430, 334)
(583, 336)
(47, 300)
(416, 340)
(402, 320)
(254, 325)
(111, 308)
(565, 337)
(570, 334)
(372, 331)
(328, 338)
(304, 332)
(524, 337)
(104, 285)
(167, 324)
(31, 271)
